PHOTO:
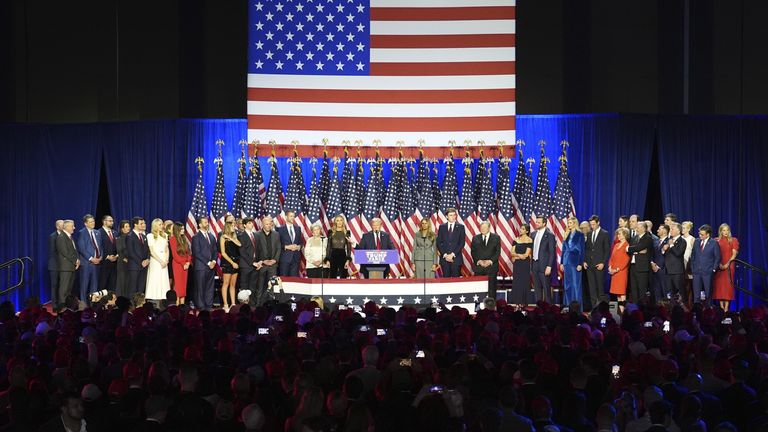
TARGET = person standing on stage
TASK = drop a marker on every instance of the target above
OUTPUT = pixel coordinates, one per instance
(687, 227)
(674, 263)
(660, 289)
(450, 243)
(705, 260)
(158, 282)
(339, 253)
(249, 267)
(121, 280)
(640, 250)
(90, 249)
(229, 245)
(521, 267)
(108, 270)
(618, 265)
(291, 241)
(424, 257)
(543, 259)
(633, 221)
(168, 228)
(597, 252)
(723, 290)
(68, 261)
(137, 252)
(182, 261)
(53, 264)
(204, 252)
(486, 248)
(268, 253)
(376, 239)
(314, 253)
(572, 260)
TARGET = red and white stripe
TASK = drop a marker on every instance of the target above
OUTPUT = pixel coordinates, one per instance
(471, 229)
(409, 226)
(393, 228)
(439, 69)
(504, 228)
(191, 226)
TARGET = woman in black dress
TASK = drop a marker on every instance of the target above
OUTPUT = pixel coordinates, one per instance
(339, 249)
(122, 261)
(229, 246)
(521, 267)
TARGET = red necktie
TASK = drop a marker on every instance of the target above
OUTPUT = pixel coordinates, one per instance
(702, 245)
(95, 246)
(378, 243)
(109, 234)
(253, 241)
(141, 239)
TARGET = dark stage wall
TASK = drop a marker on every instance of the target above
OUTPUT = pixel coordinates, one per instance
(705, 169)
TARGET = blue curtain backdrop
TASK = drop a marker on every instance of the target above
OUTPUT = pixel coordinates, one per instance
(52, 171)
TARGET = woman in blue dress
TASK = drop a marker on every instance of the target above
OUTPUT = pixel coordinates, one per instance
(571, 262)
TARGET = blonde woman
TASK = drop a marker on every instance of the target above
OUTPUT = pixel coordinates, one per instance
(723, 290)
(158, 282)
(314, 253)
(339, 253)
(424, 257)
(571, 261)
(229, 246)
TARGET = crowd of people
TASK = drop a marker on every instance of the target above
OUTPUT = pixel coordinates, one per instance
(137, 366)
(641, 265)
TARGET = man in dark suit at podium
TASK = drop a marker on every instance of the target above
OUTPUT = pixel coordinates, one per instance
(450, 243)
(705, 258)
(486, 248)
(291, 242)
(376, 239)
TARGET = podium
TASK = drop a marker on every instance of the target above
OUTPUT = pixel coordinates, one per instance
(376, 260)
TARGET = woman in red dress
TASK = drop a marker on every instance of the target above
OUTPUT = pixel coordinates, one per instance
(618, 264)
(182, 261)
(723, 284)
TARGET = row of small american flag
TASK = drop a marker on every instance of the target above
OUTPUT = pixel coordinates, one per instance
(413, 192)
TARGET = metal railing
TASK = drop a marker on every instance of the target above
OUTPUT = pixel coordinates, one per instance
(752, 268)
(18, 267)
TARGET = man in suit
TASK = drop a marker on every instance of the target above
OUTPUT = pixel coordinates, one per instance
(705, 259)
(378, 240)
(486, 248)
(633, 226)
(249, 267)
(268, 249)
(543, 259)
(640, 249)
(660, 289)
(108, 270)
(598, 250)
(674, 262)
(204, 251)
(68, 261)
(91, 254)
(450, 243)
(291, 242)
(53, 263)
(137, 253)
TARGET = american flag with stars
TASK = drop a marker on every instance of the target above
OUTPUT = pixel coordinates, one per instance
(199, 207)
(323, 188)
(371, 201)
(563, 208)
(450, 194)
(468, 214)
(334, 195)
(390, 213)
(542, 203)
(238, 200)
(486, 202)
(522, 194)
(409, 220)
(381, 69)
(357, 195)
(273, 203)
(505, 218)
(436, 196)
(314, 204)
(253, 205)
(219, 202)
(425, 206)
(296, 197)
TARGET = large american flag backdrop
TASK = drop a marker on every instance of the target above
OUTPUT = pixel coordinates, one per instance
(389, 70)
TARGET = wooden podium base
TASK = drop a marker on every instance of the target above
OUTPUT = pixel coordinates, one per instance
(375, 274)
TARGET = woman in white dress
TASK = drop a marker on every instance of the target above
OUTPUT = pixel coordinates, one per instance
(314, 253)
(158, 282)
